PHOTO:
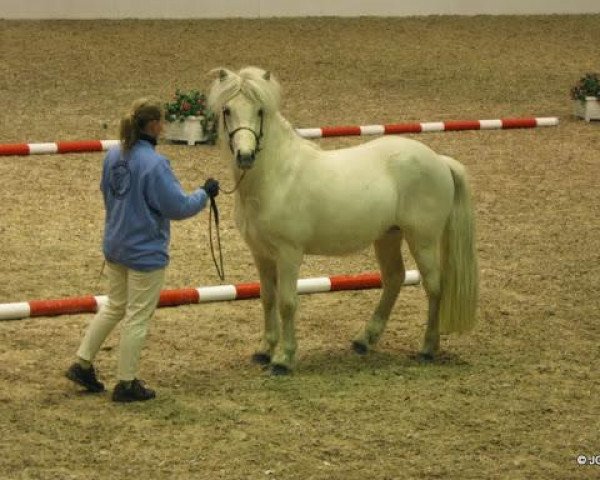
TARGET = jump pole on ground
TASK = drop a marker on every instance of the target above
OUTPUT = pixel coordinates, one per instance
(188, 296)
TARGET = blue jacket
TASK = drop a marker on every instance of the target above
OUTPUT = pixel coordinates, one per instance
(141, 196)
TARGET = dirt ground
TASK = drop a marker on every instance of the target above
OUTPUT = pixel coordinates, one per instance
(515, 399)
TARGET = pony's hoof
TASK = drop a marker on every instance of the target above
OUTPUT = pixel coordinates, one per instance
(280, 370)
(360, 348)
(425, 357)
(261, 358)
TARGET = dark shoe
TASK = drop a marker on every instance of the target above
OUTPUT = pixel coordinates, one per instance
(85, 377)
(134, 391)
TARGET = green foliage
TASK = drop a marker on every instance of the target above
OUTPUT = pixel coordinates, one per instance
(186, 104)
(588, 86)
(192, 104)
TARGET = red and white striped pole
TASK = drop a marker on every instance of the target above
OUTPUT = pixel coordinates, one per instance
(12, 149)
(186, 296)
(450, 126)
(77, 146)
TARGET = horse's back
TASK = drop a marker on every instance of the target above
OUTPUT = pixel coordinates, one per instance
(387, 144)
(417, 178)
(411, 166)
(365, 190)
(391, 152)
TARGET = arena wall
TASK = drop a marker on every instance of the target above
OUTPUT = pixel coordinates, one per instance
(117, 9)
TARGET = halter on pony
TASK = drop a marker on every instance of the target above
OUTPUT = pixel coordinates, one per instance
(258, 136)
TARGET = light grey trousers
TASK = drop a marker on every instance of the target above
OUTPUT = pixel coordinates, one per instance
(132, 299)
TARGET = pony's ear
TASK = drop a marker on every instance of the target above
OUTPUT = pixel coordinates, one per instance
(222, 74)
(267, 75)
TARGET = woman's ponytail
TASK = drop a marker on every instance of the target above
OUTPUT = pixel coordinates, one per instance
(127, 133)
(143, 111)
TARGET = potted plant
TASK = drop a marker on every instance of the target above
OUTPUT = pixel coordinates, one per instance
(189, 119)
(586, 95)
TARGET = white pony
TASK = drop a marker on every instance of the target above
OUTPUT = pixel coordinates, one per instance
(294, 199)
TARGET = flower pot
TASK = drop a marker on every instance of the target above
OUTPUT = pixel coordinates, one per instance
(189, 131)
(588, 109)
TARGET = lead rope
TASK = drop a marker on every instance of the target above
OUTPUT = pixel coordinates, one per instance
(214, 210)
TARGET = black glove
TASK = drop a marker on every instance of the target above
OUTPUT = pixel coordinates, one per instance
(211, 187)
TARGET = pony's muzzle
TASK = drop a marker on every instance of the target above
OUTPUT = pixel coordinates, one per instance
(245, 161)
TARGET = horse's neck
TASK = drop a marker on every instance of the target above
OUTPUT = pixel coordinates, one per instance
(276, 161)
(280, 140)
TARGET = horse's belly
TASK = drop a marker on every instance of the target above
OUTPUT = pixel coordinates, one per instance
(331, 224)
(333, 249)
(339, 242)
(330, 241)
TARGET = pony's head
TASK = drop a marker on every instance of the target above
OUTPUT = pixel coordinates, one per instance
(243, 101)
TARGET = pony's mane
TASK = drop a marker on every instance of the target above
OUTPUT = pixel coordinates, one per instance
(254, 83)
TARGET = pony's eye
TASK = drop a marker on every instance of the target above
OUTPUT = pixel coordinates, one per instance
(226, 111)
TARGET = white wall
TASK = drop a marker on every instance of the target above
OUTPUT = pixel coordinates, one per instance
(79, 9)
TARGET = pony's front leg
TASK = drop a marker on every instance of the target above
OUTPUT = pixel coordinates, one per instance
(287, 300)
(267, 272)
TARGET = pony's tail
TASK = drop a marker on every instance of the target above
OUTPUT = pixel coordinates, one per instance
(460, 274)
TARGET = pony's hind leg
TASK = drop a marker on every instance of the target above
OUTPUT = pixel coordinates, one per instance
(427, 255)
(389, 256)
(267, 272)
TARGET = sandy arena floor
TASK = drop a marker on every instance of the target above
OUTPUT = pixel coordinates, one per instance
(516, 399)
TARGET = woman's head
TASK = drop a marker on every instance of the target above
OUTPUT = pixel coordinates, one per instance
(145, 116)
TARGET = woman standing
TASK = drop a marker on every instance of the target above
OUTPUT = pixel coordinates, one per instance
(141, 196)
